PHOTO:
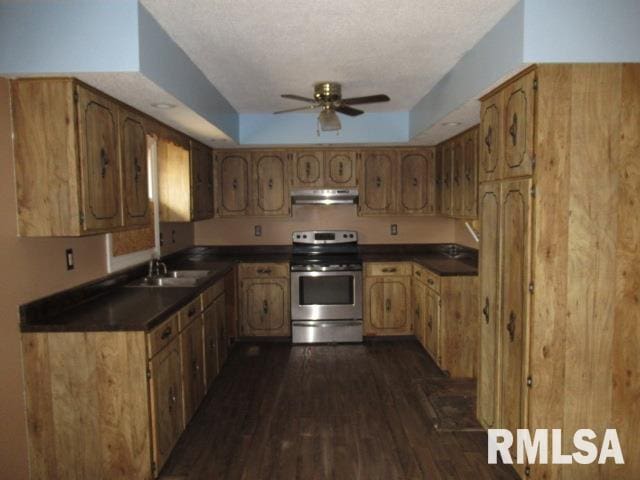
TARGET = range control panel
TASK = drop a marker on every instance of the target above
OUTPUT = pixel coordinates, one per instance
(324, 237)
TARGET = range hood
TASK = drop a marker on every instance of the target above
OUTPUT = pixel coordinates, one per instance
(324, 197)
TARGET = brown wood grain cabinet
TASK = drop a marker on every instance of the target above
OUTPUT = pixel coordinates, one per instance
(192, 358)
(340, 169)
(307, 169)
(378, 182)
(387, 299)
(233, 181)
(264, 300)
(201, 181)
(417, 181)
(90, 149)
(271, 184)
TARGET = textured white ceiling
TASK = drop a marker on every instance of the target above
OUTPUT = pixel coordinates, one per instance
(253, 51)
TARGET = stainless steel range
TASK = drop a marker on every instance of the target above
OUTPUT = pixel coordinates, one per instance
(326, 287)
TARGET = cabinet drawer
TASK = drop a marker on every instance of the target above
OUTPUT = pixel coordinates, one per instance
(388, 268)
(190, 312)
(263, 270)
(211, 293)
(161, 336)
(427, 277)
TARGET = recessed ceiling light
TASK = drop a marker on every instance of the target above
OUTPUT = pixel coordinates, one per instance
(452, 124)
(163, 106)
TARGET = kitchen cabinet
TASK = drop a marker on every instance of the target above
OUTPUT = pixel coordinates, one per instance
(419, 303)
(387, 299)
(378, 189)
(417, 187)
(192, 357)
(491, 134)
(233, 179)
(79, 140)
(432, 325)
(265, 300)
(447, 179)
(457, 161)
(340, 169)
(470, 174)
(439, 183)
(519, 105)
(271, 185)
(135, 175)
(307, 169)
(185, 180)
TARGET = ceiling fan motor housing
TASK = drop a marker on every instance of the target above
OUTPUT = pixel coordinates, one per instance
(327, 92)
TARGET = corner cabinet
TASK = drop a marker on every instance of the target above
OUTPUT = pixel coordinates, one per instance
(90, 149)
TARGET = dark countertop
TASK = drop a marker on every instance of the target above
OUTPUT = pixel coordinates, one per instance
(108, 304)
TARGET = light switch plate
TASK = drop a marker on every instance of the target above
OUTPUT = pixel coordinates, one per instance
(69, 258)
(257, 230)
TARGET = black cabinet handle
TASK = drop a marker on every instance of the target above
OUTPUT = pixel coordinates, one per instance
(511, 326)
(388, 304)
(513, 129)
(415, 182)
(234, 184)
(104, 162)
(136, 169)
(265, 307)
(485, 310)
(340, 169)
(488, 139)
(165, 333)
(192, 311)
(378, 182)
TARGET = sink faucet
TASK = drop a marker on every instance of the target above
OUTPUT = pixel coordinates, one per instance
(156, 267)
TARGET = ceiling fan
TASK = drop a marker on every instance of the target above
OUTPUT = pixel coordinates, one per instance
(328, 97)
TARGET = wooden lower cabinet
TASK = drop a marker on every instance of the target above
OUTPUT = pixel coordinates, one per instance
(387, 299)
(192, 356)
(264, 300)
(432, 325)
(419, 303)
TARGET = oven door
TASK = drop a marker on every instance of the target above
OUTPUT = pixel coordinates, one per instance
(326, 295)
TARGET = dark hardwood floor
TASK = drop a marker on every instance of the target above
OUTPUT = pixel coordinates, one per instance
(278, 411)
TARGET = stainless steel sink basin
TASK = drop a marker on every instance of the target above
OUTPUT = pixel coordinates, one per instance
(174, 278)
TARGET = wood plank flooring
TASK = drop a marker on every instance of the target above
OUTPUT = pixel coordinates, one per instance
(278, 411)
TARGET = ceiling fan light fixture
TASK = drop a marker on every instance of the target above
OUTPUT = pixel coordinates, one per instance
(328, 120)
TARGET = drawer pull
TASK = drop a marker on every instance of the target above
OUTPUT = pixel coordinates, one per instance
(265, 307)
(418, 273)
(388, 305)
(192, 311)
(511, 326)
(264, 271)
(430, 323)
(165, 333)
(389, 270)
(485, 310)
(430, 281)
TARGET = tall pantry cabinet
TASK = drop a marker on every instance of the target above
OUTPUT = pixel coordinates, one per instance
(559, 270)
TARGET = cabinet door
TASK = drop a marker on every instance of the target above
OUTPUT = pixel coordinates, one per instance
(211, 365)
(439, 179)
(99, 161)
(447, 178)
(432, 325)
(419, 311)
(519, 107)
(379, 186)
(135, 177)
(417, 181)
(340, 169)
(491, 138)
(457, 166)
(307, 169)
(166, 402)
(233, 174)
(489, 273)
(192, 347)
(222, 334)
(271, 185)
(265, 307)
(387, 306)
(470, 175)
(514, 267)
(201, 181)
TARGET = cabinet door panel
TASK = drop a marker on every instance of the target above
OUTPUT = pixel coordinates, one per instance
(388, 300)
(221, 330)
(491, 138)
(307, 169)
(233, 183)
(270, 177)
(340, 169)
(134, 175)
(439, 179)
(420, 311)
(488, 385)
(166, 411)
(432, 325)
(99, 161)
(514, 287)
(211, 365)
(457, 163)
(470, 175)
(518, 124)
(201, 181)
(265, 309)
(417, 182)
(378, 195)
(192, 367)
(447, 178)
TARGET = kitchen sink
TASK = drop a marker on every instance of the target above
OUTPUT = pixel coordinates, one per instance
(174, 278)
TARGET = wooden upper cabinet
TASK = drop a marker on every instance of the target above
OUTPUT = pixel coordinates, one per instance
(271, 194)
(307, 169)
(417, 181)
(340, 168)
(491, 127)
(378, 191)
(447, 179)
(470, 174)
(201, 181)
(135, 175)
(439, 179)
(519, 107)
(233, 180)
(99, 161)
(457, 162)
(174, 181)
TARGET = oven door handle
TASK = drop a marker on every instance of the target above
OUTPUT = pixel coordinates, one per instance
(321, 324)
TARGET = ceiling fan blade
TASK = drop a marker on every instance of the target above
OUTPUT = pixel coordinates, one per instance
(369, 99)
(352, 112)
(298, 97)
(299, 109)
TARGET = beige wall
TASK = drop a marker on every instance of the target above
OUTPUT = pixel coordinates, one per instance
(31, 268)
(278, 230)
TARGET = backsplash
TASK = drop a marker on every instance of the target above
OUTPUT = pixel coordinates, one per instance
(277, 231)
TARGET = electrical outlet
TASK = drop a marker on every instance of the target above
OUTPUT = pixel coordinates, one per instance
(69, 258)
(257, 230)
(394, 229)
